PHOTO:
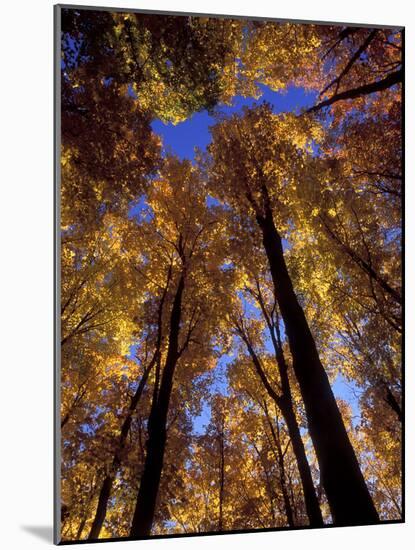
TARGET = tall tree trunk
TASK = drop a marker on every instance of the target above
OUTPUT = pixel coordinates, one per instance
(393, 403)
(107, 484)
(150, 479)
(286, 405)
(80, 528)
(348, 496)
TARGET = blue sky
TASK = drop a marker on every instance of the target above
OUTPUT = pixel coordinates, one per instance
(194, 132)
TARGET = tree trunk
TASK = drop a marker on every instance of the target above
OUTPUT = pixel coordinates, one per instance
(393, 403)
(156, 443)
(101, 510)
(310, 497)
(80, 528)
(346, 490)
(283, 477)
(106, 488)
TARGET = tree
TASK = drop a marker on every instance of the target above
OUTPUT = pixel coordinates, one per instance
(364, 61)
(172, 66)
(343, 63)
(181, 232)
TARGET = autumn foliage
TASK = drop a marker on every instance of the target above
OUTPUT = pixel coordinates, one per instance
(231, 324)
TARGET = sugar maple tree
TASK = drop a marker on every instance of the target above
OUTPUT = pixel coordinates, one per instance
(209, 308)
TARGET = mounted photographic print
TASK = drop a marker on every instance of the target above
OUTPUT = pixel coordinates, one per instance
(228, 274)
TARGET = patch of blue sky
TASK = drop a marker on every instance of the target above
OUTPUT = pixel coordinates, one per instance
(201, 421)
(131, 92)
(212, 202)
(140, 210)
(392, 234)
(184, 138)
(181, 139)
(348, 391)
(107, 80)
(132, 353)
(219, 386)
(170, 524)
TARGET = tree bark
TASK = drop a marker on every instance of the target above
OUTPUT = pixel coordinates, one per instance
(348, 496)
(310, 497)
(150, 479)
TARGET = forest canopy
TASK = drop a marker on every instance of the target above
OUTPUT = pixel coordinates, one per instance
(231, 274)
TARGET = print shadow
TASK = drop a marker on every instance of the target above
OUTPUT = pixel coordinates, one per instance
(43, 532)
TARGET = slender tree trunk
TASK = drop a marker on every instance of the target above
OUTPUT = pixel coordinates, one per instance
(101, 510)
(283, 477)
(150, 479)
(64, 420)
(80, 528)
(348, 496)
(107, 484)
(310, 497)
(284, 403)
(106, 488)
